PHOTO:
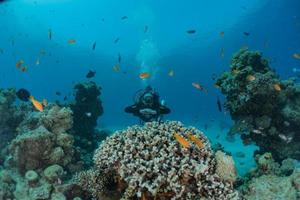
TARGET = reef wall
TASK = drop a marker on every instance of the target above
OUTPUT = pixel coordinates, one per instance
(265, 109)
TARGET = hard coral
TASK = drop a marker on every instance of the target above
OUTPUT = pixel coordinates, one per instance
(148, 161)
(266, 110)
(10, 116)
(271, 180)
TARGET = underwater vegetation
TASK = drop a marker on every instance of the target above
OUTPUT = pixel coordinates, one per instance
(265, 109)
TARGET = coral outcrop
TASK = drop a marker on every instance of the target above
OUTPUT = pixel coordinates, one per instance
(148, 162)
(41, 159)
(271, 180)
(10, 116)
(87, 108)
(266, 109)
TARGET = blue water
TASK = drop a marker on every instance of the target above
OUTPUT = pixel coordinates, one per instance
(274, 27)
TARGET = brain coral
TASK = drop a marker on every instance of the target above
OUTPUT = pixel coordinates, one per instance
(148, 162)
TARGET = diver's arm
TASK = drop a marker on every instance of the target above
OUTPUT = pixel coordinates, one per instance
(131, 109)
(164, 110)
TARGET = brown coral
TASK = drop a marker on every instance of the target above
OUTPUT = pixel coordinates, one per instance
(148, 160)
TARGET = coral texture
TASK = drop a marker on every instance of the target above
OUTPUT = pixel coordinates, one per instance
(270, 180)
(10, 116)
(41, 158)
(148, 162)
(266, 110)
(43, 140)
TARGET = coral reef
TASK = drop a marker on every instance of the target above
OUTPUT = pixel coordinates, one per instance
(270, 180)
(266, 110)
(86, 108)
(10, 116)
(41, 158)
(148, 162)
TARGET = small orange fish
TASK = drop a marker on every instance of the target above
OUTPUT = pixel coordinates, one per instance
(71, 41)
(198, 86)
(116, 68)
(36, 104)
(45, 102)
(144, 75)
(250, 78)
(19, 63)
(222, 34)
(182, 141)
(24, 69)
(277, 87)
(171, 73)
(196, 140)
(296, 55)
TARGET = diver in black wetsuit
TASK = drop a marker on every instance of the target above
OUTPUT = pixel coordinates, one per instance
(147, 106)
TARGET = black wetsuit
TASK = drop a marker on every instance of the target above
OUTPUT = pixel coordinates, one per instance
(159, 109)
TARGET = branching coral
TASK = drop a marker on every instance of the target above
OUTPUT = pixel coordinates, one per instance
(266, 110)
(149, 162)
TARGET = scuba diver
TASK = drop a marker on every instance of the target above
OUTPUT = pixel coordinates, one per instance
(147, 106)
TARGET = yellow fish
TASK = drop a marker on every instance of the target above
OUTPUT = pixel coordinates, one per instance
(19, 63)
(181, 140)
(144, 75)
(196, 140)
(71, 41)
(36, 104)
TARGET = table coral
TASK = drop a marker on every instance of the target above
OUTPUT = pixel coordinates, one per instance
(149, 162)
